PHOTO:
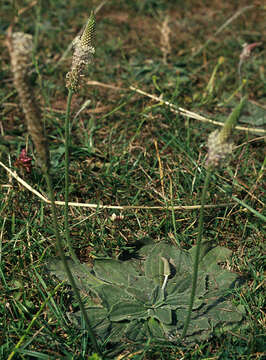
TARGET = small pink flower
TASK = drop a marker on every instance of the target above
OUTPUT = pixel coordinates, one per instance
(24, 161)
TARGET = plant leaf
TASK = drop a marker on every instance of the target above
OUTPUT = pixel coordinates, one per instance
(131, 304)
(128, 311)
(164, 315)
(110, 293)
(137, 330)
(155, 329)
(115, 271)
(210, 258)
(81, 273)
(154, 267)
(98, 320)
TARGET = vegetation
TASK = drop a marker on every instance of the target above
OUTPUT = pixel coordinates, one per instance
(145, 160)
(147, 298)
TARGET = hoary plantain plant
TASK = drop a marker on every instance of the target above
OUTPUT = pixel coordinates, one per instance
(147, 298)
(165, 294)
(20, 47)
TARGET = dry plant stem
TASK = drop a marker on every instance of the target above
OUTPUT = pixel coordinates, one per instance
(221, 28)
(117, 207)
(67, 141)
(197, 255)
(192, 115)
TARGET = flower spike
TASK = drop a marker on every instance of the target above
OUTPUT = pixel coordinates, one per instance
(88, 36)
(83, 54)
(219, 142)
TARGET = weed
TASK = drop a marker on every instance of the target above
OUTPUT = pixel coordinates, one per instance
(114, 161)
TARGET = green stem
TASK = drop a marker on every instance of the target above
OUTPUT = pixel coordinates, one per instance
(67, 142)
(66, 266)
(197, 255)
(67, 233)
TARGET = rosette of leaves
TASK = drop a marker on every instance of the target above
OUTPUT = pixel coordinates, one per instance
(147, 297)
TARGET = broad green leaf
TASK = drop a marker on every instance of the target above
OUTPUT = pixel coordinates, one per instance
(223, 312)
(163, 314)
(199, 324)
(182, 300)
(116, 331)
(130, 302)
(141, 288)
(222, 281)
(155, 329)
(179, 284)
(115, 271)
(154, 267)
(127, 311)
(81, 273)
(141, 294)
(178, 290)
(181, 260)
(156, 294)
(137, 330)
(109, 295)
(98, 320)
(209, 261)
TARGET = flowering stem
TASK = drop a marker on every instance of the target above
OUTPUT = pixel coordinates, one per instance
(67, 234)
(197, 255)
(59, 244)
(20, 51)
(67, 141)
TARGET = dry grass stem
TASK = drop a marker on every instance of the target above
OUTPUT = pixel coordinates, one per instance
(108, 86)
(227, 23)
(192, 115)
(115, 207)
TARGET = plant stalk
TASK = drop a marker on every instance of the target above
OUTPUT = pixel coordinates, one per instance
(67, 143)
(66, 266)
(67, 233)
(197, 255)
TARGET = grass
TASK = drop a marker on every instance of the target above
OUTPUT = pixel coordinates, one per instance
(114, 161)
